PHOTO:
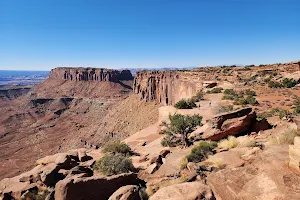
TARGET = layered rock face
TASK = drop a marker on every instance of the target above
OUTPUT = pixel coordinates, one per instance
(167, 87)
(90, 74)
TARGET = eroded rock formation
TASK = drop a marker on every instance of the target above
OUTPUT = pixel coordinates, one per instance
(167, 87)
(90, 74)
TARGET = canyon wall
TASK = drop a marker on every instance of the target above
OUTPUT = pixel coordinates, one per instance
(90, 74)
(167, 87)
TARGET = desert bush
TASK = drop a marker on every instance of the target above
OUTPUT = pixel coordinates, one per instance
(230, 92)
(117, 147)
(111, 164)
(185, 104)
(170, 141)
(215, 90)
(289, 82)
(285, 83)
(202, 151)
(286, 137)
(184, 163)
(222, 109)
(284, 114)
(251, 100)
(180, 125)
(35, 194)
(229, 143)
(297, 110)
(199, 96)
(250, 92)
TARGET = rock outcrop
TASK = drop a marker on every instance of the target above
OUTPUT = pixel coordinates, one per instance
(92, 188)
(188, 191)
(90, 74)
(294, 153)
(241, 121)
(128, 192)
(167, 87)
(266, 178)
(10, 94)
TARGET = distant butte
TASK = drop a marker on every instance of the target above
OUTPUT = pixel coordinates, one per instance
(90, 74)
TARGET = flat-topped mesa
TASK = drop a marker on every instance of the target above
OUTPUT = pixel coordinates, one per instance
(90, 74)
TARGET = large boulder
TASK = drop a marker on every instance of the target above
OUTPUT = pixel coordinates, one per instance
(93, 188)
(234, 127)
(187, 191)
(128, 192)
(267, 177)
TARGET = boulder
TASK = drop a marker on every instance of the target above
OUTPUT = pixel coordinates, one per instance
(164, 153)
(261, 125)
(218, 120)
(156, 159)
(152, 168)
(93, 188)
(236, 126)
(187, 191)
(128, 192)
(64, 161)
(50, 175)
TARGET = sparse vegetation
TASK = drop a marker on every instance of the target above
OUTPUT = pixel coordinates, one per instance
(223, 109)
(199, 96)
(202, 151)
(215, 90)
(185, 104)
(229, 143)
(286, 137)
(281, 113)
(285, 83)
(111, 164)
(239, 97)
(35, 195)
(179, 128)
(117, 147)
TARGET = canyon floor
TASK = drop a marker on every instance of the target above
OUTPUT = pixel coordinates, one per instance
(253, 125)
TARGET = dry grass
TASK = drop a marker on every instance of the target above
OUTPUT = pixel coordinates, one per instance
(286, 137)
(246, 142)
(229, 143)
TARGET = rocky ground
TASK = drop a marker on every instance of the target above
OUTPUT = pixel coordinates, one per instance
(256, 152)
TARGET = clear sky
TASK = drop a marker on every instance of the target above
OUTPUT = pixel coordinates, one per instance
(43, 34)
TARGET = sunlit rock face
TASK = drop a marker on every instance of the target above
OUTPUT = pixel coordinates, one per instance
(90, 74)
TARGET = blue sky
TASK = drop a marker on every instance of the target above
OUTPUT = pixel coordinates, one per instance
(43, 34)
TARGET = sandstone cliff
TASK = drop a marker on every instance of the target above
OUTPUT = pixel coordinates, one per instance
(167, 87)
(90, 74)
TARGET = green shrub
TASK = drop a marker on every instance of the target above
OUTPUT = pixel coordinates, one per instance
(117, 147)
(180, 125)
(229, 97)
(230, 92)
(185, 104)
(286, 83)
(284, 114)
(250, 92)
(297, 110)
(289, 82)
(251, 100)
(201, 152)
(215, 90)
(170, 141)
(222, 109)
(199, 96)
(111, 164)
